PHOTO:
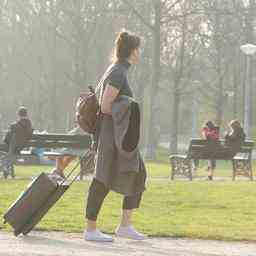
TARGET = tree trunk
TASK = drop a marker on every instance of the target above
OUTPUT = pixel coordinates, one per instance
(152, 143)
(176, 96)
(174, 122)
(53, 47)
(220, 105)
(236, 81)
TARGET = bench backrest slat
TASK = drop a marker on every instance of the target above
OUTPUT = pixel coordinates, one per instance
(58, 137)
(200, 149)
(2, 147)
(57, 141)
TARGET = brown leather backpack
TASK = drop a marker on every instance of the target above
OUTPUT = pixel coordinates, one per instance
(87, 109)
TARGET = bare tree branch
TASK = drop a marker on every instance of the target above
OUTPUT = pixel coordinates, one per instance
(143, 20)
(172, 5)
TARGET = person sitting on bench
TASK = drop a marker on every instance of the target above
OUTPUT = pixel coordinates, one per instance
(235, 137)
(17, 135)
(210, 132)
(67, 155)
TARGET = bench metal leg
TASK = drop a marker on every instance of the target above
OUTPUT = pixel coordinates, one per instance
(242, 167)
(173, 167)
(234, 170)
(4, 164)
(181, 166)
(87, 165)
(190, 172)
(250, 170)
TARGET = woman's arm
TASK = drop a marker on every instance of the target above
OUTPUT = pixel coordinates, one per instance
(109, 95)
(204, 133)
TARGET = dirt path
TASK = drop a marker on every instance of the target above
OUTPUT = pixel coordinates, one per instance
(62, 244)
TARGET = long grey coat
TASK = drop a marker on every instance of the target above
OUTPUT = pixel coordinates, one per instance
(118, 161)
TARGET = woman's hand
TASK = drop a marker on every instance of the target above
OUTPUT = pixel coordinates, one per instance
(109, 95)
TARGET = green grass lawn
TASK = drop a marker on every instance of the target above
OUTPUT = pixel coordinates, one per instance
(158, 169)
(222, 210)
(163, 169)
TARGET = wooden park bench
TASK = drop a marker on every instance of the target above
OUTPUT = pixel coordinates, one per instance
(199, 149)
(55, 140)
(49, 142)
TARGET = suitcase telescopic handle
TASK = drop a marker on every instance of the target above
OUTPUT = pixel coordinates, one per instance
(86, 154)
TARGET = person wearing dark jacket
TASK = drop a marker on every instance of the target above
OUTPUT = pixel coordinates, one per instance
(236, 136)
(17, 135)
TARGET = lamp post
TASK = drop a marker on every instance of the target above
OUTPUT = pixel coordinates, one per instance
(248, 50)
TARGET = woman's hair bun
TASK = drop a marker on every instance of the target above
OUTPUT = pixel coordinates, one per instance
(123, 36)
(124, 44)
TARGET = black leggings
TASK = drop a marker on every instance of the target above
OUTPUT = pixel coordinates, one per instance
(96, 196)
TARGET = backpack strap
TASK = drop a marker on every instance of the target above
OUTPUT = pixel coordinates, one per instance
(101, 83)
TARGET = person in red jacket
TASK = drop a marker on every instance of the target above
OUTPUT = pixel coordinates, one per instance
(210, 132)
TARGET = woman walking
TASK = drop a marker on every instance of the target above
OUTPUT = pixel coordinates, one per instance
(119, 166)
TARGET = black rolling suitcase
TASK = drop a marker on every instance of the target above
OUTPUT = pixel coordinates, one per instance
(40, 195)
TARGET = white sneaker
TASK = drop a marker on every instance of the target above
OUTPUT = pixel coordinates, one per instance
(97, 236)
(130, 232)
